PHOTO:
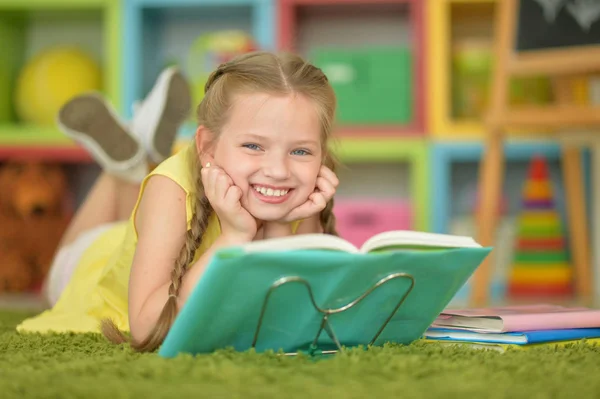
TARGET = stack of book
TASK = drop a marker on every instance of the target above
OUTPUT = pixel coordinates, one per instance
(521, 327)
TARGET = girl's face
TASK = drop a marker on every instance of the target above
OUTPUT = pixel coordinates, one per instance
(271, 149)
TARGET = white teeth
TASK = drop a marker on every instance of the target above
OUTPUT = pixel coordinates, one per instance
(269, 192)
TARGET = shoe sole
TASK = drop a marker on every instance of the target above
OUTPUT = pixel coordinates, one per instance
(89, 115)
(175, 111)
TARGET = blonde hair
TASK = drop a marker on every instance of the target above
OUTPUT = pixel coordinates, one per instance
(264, 72)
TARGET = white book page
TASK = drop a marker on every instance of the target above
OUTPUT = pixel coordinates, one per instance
(417, 238)
(483, 324)
(301, 241)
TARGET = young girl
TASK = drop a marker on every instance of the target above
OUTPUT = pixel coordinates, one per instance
(259, 167)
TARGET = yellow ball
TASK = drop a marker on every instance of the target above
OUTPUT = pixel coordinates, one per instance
(52, 78)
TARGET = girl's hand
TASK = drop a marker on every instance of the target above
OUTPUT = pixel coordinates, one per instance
(327, 183)
(225, 197)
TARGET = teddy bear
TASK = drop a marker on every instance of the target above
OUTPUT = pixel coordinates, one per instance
(33, 217)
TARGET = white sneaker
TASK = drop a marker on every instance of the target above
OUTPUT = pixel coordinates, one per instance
(157, 118)
(92, 122)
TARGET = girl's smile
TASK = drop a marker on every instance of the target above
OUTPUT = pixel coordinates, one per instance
(271, 194)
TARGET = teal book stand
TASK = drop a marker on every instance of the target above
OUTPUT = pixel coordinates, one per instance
(317, 301)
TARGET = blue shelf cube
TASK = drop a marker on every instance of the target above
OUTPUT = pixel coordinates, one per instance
(159, 33)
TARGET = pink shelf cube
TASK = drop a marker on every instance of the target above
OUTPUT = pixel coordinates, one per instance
(358, 220)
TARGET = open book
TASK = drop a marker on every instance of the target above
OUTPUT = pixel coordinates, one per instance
(387, 296)
(390, 240)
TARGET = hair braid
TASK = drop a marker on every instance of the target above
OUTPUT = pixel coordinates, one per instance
(327, 217)
(193, 238)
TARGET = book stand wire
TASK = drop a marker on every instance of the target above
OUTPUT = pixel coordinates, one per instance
(325, 324)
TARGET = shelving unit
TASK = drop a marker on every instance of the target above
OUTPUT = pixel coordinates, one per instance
(157, 33)
(28, 27)
(420, 159)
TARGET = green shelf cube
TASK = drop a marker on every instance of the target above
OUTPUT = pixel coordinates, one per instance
(373, 86)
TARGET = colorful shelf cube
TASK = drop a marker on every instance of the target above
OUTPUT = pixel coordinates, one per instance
(29, 27)
(348, 38)
(412, 152)
(460, 53)
(360, 219)
(161, 32)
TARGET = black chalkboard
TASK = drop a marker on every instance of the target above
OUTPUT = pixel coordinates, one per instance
(551, 24)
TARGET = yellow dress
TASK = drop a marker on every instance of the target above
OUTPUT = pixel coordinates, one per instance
(99, 285)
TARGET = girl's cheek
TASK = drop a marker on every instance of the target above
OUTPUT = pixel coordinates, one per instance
(240, 177)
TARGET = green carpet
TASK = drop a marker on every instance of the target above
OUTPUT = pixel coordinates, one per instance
(86, 366)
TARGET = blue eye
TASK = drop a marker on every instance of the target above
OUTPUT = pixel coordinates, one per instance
(251, 146)
(300, 152)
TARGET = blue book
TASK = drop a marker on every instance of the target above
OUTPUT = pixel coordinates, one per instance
(519, 338)
(274, 294)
